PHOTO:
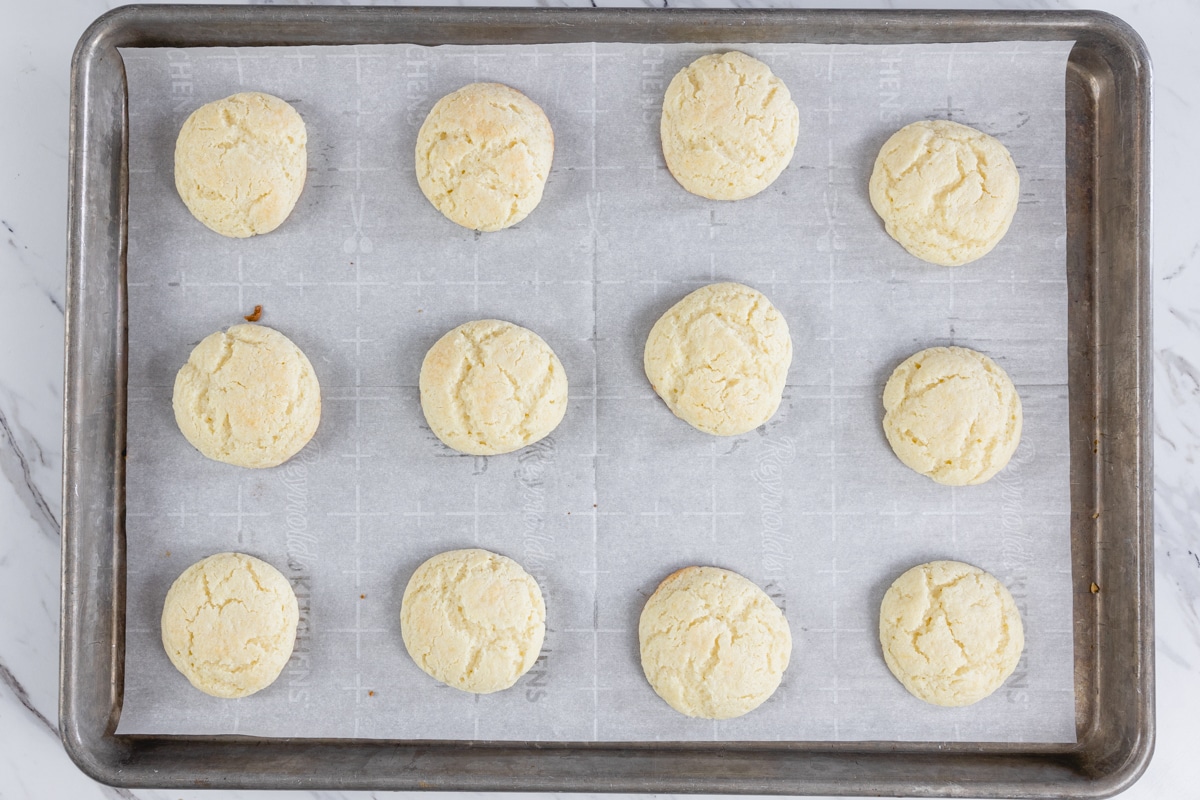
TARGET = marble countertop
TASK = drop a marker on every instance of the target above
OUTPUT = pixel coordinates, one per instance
(36, 40)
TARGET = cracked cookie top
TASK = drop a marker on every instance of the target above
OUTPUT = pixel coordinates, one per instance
(719, 358)
(950, 632)
(946, 192)
(483, 155)
(490, 387)
(713, 644)
(729, 126)
(240, 163)
(952, 414)
(473, 620)
(247, 396)
(229, 624)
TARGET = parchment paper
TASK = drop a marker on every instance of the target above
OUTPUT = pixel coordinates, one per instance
(365, 275)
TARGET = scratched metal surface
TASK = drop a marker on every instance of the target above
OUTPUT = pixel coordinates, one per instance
(1107, 212)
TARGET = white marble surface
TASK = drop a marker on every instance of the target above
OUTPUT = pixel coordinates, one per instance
(36, 39)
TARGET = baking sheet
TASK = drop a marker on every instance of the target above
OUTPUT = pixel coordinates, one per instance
(365, 275)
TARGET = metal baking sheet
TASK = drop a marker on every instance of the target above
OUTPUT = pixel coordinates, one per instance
(790, 763)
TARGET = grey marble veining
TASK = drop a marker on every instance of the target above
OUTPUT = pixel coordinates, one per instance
(36, 40)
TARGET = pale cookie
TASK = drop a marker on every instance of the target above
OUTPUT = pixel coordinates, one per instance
(491, 387)
(240, 163)
(950, 632)
(229, 623)
(946, 192)
(713, 644)
(247, 397)
(729, 126)
(719, 358)
(483, 156)
(952, 414)
(473, 620)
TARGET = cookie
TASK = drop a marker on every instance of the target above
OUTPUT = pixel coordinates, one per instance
(483, 156)
(713, 644)
(229, 624)
(473, 620)
(490, 387)
(950, 632)
(719, 358)
(240, 163)
(248, 397)
(729, 126)
(952, 414)
(946, 192)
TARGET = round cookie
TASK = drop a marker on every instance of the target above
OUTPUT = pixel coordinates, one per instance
(240, 163)
(473, 620)
(490, 387)
(952, 414)
(247, 396)
(229, 624)
(946, 192)
(483, 156)
(950, 632)
(719, 358)
(713, 644)
(729, 126)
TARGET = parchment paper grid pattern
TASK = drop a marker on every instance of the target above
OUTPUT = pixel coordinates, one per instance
(366, 275)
